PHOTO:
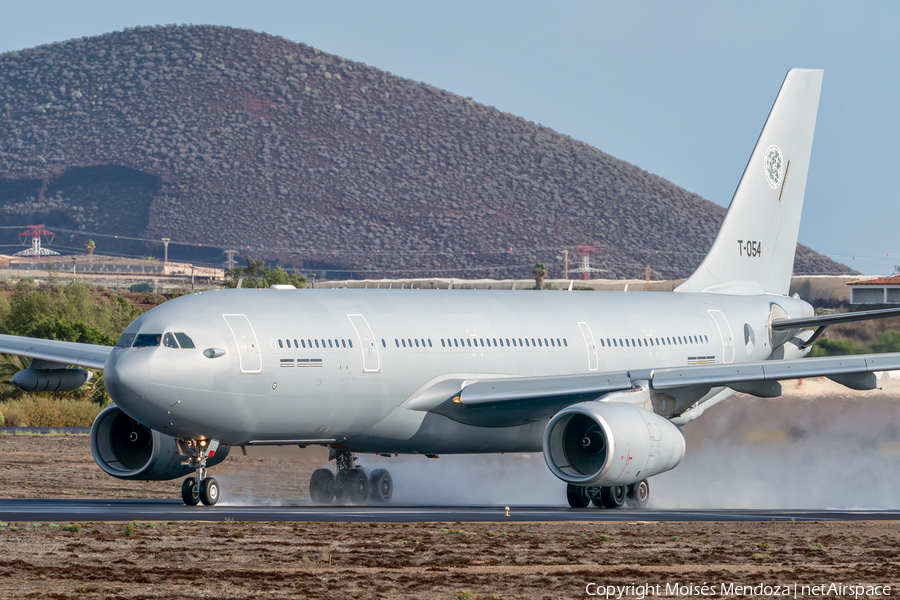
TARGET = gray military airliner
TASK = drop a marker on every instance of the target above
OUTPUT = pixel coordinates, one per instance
(599, 382)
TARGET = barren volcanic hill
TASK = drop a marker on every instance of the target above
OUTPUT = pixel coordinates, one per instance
(236, 139)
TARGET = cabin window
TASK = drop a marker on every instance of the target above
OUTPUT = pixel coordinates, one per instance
(429, 342)
(280, 343)
(410, 342)
(520, 342)
(455, 342)
(403, 342)
(442, 343)
(705, 339)
(507, 342)
(565, 342)
(383, 345)
(317, 343)
(350, 343)
(344, 343)
(329, 344)
(396, 343)
(169, 341)
(481, 340)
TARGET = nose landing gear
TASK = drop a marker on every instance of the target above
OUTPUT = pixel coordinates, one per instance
(201, 488)
(351, 484)
(635, 495)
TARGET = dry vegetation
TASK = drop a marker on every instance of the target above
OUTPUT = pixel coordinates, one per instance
(304, 155)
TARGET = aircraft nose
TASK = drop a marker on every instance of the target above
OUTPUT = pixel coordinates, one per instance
(129, 377)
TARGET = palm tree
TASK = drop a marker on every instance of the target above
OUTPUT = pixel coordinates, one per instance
(89, 247)
(540, 274)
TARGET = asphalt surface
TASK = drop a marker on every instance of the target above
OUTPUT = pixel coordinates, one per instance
(20, 510)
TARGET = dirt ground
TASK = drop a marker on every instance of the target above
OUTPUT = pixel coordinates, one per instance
(436, 560)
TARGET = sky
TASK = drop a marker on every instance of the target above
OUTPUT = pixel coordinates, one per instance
(680, 89)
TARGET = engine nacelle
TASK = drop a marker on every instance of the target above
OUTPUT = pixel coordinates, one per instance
(128, 450)
(50, 380)
(610, 443)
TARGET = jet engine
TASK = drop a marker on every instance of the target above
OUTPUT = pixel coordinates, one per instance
(50, 380)
(128, 450)
(610, 443)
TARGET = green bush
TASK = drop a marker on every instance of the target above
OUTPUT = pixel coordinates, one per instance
(888, 341)
(72, 527)
(833, 347)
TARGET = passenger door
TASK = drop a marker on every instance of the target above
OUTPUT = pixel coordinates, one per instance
(247, 344)
(589, 344)
(727, 336)
(371, 360)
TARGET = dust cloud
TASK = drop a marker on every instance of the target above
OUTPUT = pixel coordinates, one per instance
(831, 448)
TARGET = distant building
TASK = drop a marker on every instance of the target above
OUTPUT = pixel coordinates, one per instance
(878, 290)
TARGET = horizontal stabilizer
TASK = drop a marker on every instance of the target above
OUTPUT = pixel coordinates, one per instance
(822, 320)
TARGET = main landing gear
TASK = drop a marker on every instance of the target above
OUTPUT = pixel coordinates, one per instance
(201, 488)
(616, 496)
(351, 484)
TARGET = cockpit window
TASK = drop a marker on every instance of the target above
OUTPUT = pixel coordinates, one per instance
(147, 340)
(184, 340)
(125, 340)
(169, 341)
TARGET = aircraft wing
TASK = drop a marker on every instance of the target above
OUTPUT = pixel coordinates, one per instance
(90, 356)
(517, 400)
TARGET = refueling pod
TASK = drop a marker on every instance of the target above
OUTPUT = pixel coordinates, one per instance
(610, 444)
(128, 450)
(50, 380)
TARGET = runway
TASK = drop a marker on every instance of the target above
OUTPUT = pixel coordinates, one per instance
(21, 510)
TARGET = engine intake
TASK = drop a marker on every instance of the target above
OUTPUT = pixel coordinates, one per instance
(610, 443)
(128, 450)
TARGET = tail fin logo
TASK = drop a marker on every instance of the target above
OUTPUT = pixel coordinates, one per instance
(773, 165)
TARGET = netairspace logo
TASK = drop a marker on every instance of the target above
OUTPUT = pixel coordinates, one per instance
(647, 590)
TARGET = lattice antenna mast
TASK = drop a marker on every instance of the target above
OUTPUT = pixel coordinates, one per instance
(230, 262)
(585, 250)
(36, 232)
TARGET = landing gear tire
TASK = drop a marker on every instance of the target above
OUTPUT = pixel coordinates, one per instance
(639, 493)
(613, 496)
(578, 496)
(190, 491)
(209, 491)
(381, 486)
(355, 486)
(321, 486)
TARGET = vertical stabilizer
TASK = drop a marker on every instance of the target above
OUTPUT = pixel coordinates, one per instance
(753, 253)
